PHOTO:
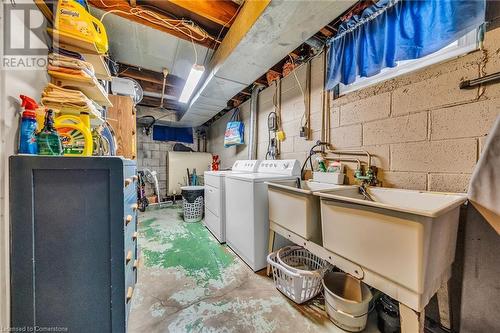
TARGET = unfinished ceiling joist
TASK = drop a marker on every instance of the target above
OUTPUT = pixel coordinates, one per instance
(124, 9)
(217, 11)
(149, 76)
(263, 33)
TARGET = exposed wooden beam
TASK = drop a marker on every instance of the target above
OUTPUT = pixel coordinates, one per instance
(218, 11)
(262, 80)
(327, 32)
(156, 88)
(136, 73)
(155, 102)
(122, 8)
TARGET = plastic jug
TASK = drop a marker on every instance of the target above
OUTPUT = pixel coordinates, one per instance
(74, 19)
(76, 134)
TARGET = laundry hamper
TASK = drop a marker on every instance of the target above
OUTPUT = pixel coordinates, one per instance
(192, 203)
(297, 273)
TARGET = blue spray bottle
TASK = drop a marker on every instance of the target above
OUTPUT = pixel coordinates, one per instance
(27, 139)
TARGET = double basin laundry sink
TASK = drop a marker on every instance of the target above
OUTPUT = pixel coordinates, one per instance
(402, 240)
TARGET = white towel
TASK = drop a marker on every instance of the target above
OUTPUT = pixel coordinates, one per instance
(484, 187)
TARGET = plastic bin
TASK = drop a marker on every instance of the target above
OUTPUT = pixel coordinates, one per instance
(341, 305)
(192, 203)
(297, 273)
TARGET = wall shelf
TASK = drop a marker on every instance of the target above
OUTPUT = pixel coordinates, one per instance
(85, 48)
(100, 66)
(89, 86)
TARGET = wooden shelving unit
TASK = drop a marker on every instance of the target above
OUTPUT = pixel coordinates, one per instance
(122, 119)
(89, 86)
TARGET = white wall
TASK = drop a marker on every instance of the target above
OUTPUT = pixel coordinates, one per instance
(12, 84)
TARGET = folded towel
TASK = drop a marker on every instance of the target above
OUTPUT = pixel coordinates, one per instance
(68, 101)
(59, 60)
(484, 188)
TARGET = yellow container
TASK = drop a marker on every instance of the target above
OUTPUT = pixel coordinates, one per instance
(72, 18)
(75, 133)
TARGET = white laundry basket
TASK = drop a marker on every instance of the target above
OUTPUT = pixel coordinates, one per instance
(297, 273)
(192, 203)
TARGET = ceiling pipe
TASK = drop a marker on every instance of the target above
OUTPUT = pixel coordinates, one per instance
(252, 140)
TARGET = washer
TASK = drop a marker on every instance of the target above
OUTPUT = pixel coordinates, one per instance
(215, 197)
(247, 209)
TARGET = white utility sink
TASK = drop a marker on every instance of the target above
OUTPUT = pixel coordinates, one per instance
(404, 240)
(297, 209)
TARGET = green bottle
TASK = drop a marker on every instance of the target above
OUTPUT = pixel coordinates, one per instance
(48, 141)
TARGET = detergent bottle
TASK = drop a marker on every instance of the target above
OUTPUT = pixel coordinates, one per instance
(73, 18)
(27, 138)
(48, 140)
(76, 134)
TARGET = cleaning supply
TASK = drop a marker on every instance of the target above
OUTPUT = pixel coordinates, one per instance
(48, 140)
(195, 178)
(335, 167)
(27, 138)
(76, 134)
(321, 164)
(73, 19)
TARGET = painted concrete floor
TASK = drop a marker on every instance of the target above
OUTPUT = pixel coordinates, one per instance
(188, 282)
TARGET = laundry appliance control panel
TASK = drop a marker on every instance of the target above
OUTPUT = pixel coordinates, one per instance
(282, 167)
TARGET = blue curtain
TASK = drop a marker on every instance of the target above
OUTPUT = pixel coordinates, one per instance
(390, 31)
(175, 134)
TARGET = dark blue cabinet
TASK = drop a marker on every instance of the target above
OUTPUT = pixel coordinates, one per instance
(73, 225)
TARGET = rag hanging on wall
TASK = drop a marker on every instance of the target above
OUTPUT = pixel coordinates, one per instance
(394, 30)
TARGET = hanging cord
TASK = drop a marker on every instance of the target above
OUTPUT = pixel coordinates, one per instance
(183, 26)
(484, 60)
(165, 73)
(195, 53)
(301, 91)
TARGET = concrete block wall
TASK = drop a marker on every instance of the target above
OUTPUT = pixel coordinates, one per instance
(425, 133)
(152, 155)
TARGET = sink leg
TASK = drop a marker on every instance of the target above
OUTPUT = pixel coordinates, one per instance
(271, 248)
(411, 320)
(444, 305)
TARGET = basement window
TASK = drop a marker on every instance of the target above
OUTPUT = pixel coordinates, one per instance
(464, 45)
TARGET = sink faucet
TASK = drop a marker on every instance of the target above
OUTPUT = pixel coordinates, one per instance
(369, 178)
(363, 191)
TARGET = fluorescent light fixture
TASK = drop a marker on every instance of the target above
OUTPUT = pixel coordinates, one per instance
(191, 82)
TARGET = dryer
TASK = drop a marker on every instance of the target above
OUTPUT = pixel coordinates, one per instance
(247, 210)
(215, 197)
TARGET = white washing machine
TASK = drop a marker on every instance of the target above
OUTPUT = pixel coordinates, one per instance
(247, 210)
(215, 198)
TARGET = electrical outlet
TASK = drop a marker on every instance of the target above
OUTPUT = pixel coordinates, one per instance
(305, 132)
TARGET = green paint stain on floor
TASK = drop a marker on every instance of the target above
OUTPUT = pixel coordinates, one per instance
(189, 247)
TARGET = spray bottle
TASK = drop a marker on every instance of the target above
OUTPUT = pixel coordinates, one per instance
(49, 142)
(27, 139)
